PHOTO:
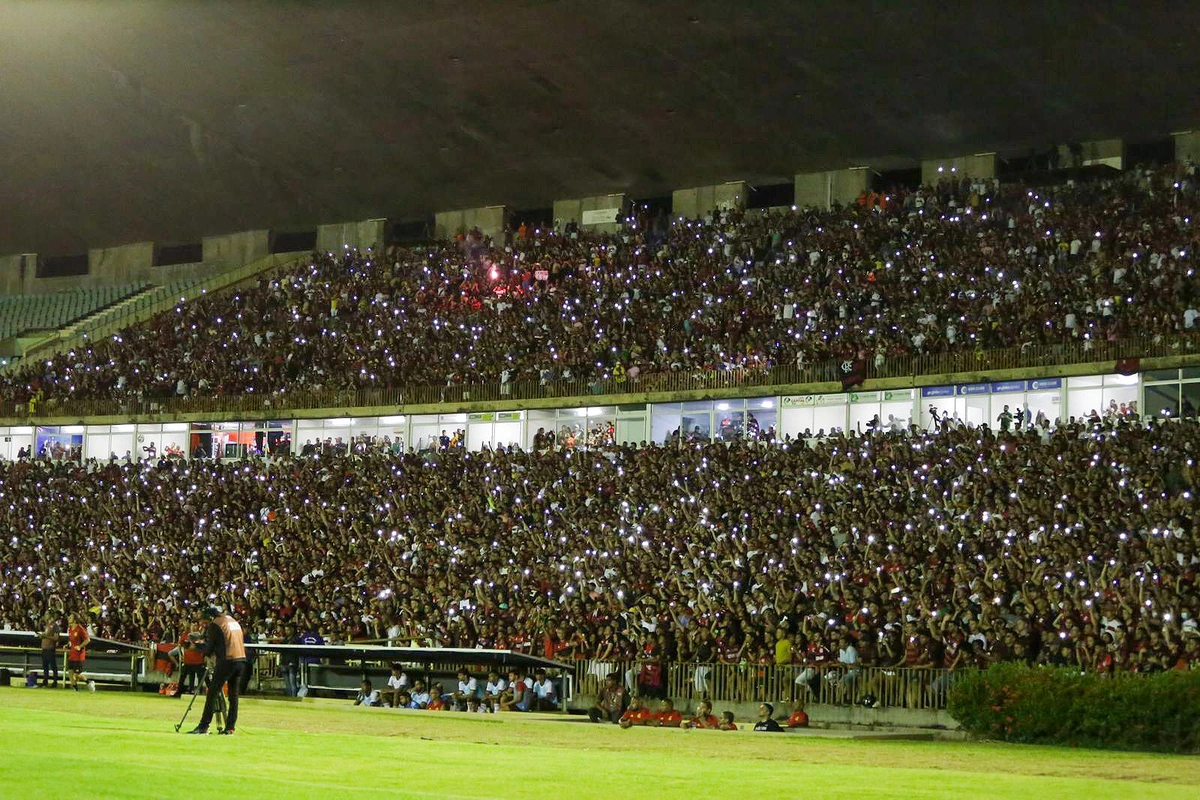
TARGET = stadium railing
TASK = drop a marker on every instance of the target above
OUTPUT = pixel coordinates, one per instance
(912, 370)
(888, 687)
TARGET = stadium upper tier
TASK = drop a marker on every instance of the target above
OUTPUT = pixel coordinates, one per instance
(962, 267)
(40, 312)
(1076, 545)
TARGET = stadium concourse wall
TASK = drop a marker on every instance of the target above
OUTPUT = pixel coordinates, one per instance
(721, 405)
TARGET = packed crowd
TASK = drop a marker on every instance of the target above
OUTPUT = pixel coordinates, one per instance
(965, 265)
(962, 546)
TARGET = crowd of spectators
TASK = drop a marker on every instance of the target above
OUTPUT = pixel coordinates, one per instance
(962, 266)
(961, 546)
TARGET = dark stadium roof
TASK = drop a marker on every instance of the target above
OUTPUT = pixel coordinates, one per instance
(169, 121)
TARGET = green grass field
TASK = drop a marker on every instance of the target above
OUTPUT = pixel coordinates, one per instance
(110, 744)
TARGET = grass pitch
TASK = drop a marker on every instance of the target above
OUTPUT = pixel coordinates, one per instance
(124, 745)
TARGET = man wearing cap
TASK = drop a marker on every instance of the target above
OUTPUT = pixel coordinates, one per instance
(223, 641)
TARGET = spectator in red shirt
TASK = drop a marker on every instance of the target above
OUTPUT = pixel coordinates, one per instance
(798, 717)
(636, 714)
(667, 716)
(78, 640)
(704, 717)
(727, 723)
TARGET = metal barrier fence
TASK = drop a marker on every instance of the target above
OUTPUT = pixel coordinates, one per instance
(938, 364)
(887, 687)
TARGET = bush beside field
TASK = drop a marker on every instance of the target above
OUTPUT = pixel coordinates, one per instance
(1039, 705)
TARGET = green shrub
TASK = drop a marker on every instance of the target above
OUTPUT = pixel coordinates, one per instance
(1040, 705)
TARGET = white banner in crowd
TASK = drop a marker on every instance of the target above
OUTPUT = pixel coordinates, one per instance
(600, 216)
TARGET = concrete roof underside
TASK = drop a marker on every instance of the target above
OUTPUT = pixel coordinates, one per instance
(122, 122)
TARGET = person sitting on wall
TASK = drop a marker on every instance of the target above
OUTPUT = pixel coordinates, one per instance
(798, 717)
(704, 718)
(636, 714)
(667, 716)
(765, 723)
(610, 703)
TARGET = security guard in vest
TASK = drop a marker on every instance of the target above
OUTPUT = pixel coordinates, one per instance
(222, 640)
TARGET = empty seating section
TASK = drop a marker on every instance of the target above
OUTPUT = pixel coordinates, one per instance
(41, 312)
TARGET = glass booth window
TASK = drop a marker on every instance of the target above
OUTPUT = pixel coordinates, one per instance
(1189, 402)
(1162, 400)
(59, 444)
(664, 422)
(540, 425)
(696, 421)
(17, 442)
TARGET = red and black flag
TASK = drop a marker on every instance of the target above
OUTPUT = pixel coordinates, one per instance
(853, 372)
(1129, 366)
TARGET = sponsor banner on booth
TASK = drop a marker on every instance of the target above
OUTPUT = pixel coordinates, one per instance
(1043, 383)
(937, 391)
(798, 400)
(809, 400)
(1002, 387)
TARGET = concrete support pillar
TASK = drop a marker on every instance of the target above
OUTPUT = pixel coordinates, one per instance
(824, 189)
(488, 219)
(17, 273)
(235, 250)
(980, 165)
(1109, 152)
(365, 234)
(1187, 146)
(694, 203)
(128, 263)
(600, 213)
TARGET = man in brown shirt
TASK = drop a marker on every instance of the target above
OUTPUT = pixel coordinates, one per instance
(610, 704)
(50, 650)
(223, 641)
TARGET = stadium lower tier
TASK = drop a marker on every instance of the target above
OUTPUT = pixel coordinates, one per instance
(1075, 545)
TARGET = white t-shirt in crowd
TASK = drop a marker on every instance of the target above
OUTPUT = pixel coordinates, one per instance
(468, 686)
(398, 681)
(497, 687)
